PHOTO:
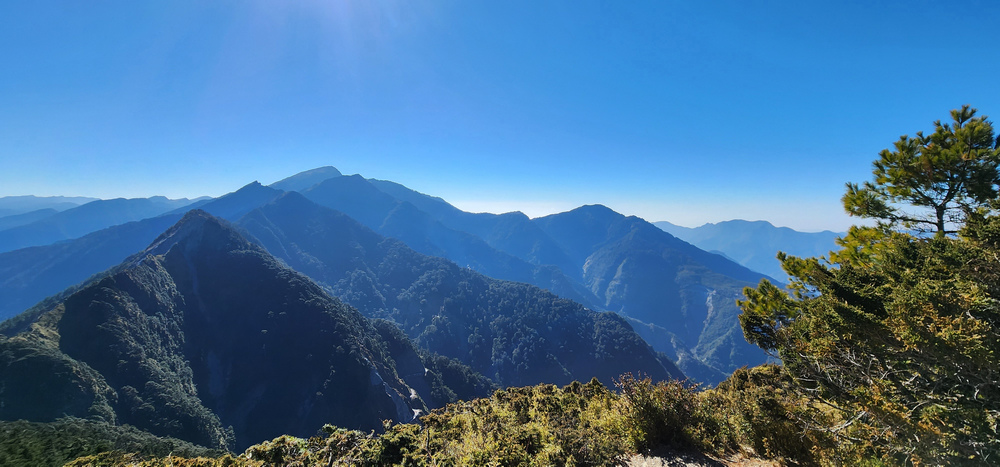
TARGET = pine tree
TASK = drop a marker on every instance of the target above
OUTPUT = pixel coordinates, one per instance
(939, 178)
(896, 337)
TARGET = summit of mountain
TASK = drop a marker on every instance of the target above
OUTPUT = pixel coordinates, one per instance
(201, 331)
(587, 229)
(479, 240)
(382, 212)
(304, 180)
(234, 205)
(513, 233)
(582, 230)
(355, 196)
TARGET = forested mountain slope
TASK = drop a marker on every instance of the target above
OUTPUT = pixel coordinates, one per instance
(205, 337)
(627, 265)
(592, 255)
(512, 332)
(400, 219)
(647, 274)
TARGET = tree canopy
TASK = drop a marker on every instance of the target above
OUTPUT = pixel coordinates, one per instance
(932, 182)
(895, 337)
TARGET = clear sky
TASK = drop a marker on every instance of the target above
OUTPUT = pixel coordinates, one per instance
(690, 112)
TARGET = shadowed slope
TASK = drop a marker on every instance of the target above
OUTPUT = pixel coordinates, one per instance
(205, 330)
(636, 269)
(31, 274)
(515, 333)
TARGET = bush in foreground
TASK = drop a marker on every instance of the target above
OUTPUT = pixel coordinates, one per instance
(579, 424)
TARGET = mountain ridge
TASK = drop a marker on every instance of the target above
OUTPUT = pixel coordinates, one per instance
(163, 328)
(434, 301)
(29, 275)
(592, 255)
(86, 218)
(11, 205)
(755, 244)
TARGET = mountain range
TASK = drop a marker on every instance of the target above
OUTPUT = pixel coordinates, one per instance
(592, 255)
(83, 219)
(29, 275)
(514, 333)
(680, 298)
(13, 205)
(331, 298)
(205, 337)
(755, 244)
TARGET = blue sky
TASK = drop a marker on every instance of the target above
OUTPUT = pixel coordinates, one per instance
(690, 112)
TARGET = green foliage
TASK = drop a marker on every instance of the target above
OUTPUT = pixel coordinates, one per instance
(900, 338)
(540, 425)
(945, 175)
(656, 413)
(34, 374)
(38, 444)
(750, 414)
(513, 333)
(895, 339)
(758, 410)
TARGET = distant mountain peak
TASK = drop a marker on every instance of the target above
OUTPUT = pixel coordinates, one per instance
(594, 208)
(598, 213)
(303, 180)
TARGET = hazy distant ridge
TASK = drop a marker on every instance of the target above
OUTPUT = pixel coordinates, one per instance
(81, 220)
(29, 275)
(755, 244)
(13, 205)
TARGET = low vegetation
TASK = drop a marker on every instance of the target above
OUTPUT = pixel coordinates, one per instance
(578, 424)
(55, 443)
